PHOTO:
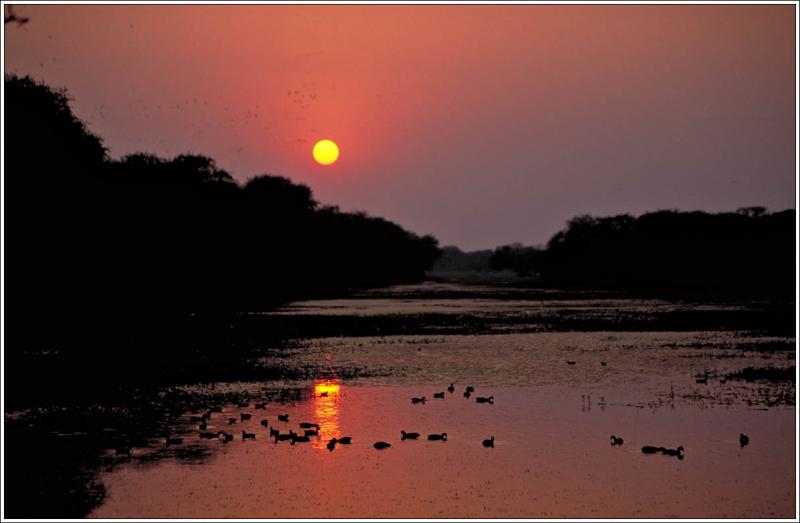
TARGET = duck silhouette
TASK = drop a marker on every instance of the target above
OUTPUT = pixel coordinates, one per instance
(743, 440)
(311, 432)
(202, 426)
(273, 432)
(380, 445)
(451, 389)
(248, 435)
(283, 417)
(231, 421)
(245, 416)
(208, 434)
(408, 435)
(296, 438)
(332, 444)
(467, 394)
(674, 452)
(259, 406)
(418, 400)
(243, 404)
(345, 440)
(490, 399)
(438, 437)
(284, 437)
(307, 425)
(438, 395)
(470, 389)
(571, 362)
(264, 422)
(224, 436)
(489, 443)
(616, 441)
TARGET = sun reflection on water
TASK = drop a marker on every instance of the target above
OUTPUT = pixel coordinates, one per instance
(326, 411)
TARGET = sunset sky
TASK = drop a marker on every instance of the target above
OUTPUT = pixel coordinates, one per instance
(481, 125)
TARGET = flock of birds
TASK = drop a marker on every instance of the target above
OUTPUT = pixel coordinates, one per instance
(308, 430)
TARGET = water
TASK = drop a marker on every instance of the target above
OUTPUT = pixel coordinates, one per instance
(551, 421)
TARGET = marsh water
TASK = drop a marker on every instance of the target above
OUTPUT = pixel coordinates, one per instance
(564, 373)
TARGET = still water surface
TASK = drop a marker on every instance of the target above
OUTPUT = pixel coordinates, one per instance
(551, 421)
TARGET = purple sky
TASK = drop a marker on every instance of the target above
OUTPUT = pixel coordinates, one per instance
(481, 125)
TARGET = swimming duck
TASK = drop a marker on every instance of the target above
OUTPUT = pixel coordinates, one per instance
(489, 443)
(243, 404)
(649, 449)
(467, 394)
(470, 389)
(674, 452)
(490, 399)
(208, 435)
(743, 440)
(245, 416)
(248, 435)
(283, 417)
(603, 363)
(408, 435)
(451, 389)
(439, 395)
(311, 432)
(296, 438)
(331, 444)
(345, 440)
(616, 441)
(284, 437)
(438, 437)
(273, 432)
(259, 406)
(570, 362)
(380, 445)
(418, 400)
(264, 422)
(224, 436)
(307, 425)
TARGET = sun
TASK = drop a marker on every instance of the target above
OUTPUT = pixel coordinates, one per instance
(326, 152)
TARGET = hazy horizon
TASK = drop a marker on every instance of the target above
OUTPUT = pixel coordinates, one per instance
(481, 125)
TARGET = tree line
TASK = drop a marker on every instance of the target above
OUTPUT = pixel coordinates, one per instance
(93, 233)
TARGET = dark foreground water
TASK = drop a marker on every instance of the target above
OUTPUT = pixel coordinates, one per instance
(559, 393)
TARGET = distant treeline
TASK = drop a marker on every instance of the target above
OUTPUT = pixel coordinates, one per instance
(86, 231)
(748, 252)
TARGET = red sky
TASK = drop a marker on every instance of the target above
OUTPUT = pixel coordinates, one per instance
(482, 125)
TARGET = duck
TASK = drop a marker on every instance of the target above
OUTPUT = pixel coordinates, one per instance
(259, 406)
(418, 400)
(296, 438)
(451, 389)
(208, 435)
(245, 416)
(215, 408)
(674, 452)
(649, 449)
(243, 404)
(345, 440)
(307, 425)
(206, 416)
(224, 436)
(283, 417)
(311, 432)
(438, 437)
(616, 441)
(489, 443)
(743, 440)
(331, 444)
(603, 363)
(174, 441)
(408, 435)
(470, 389)
(264, 422)
(284, 437)
(571, 362)
(439, 395)
(231, 421)
(248, 435)
(273, 432)
(380, 445)
(490, 399)
(202, 426)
